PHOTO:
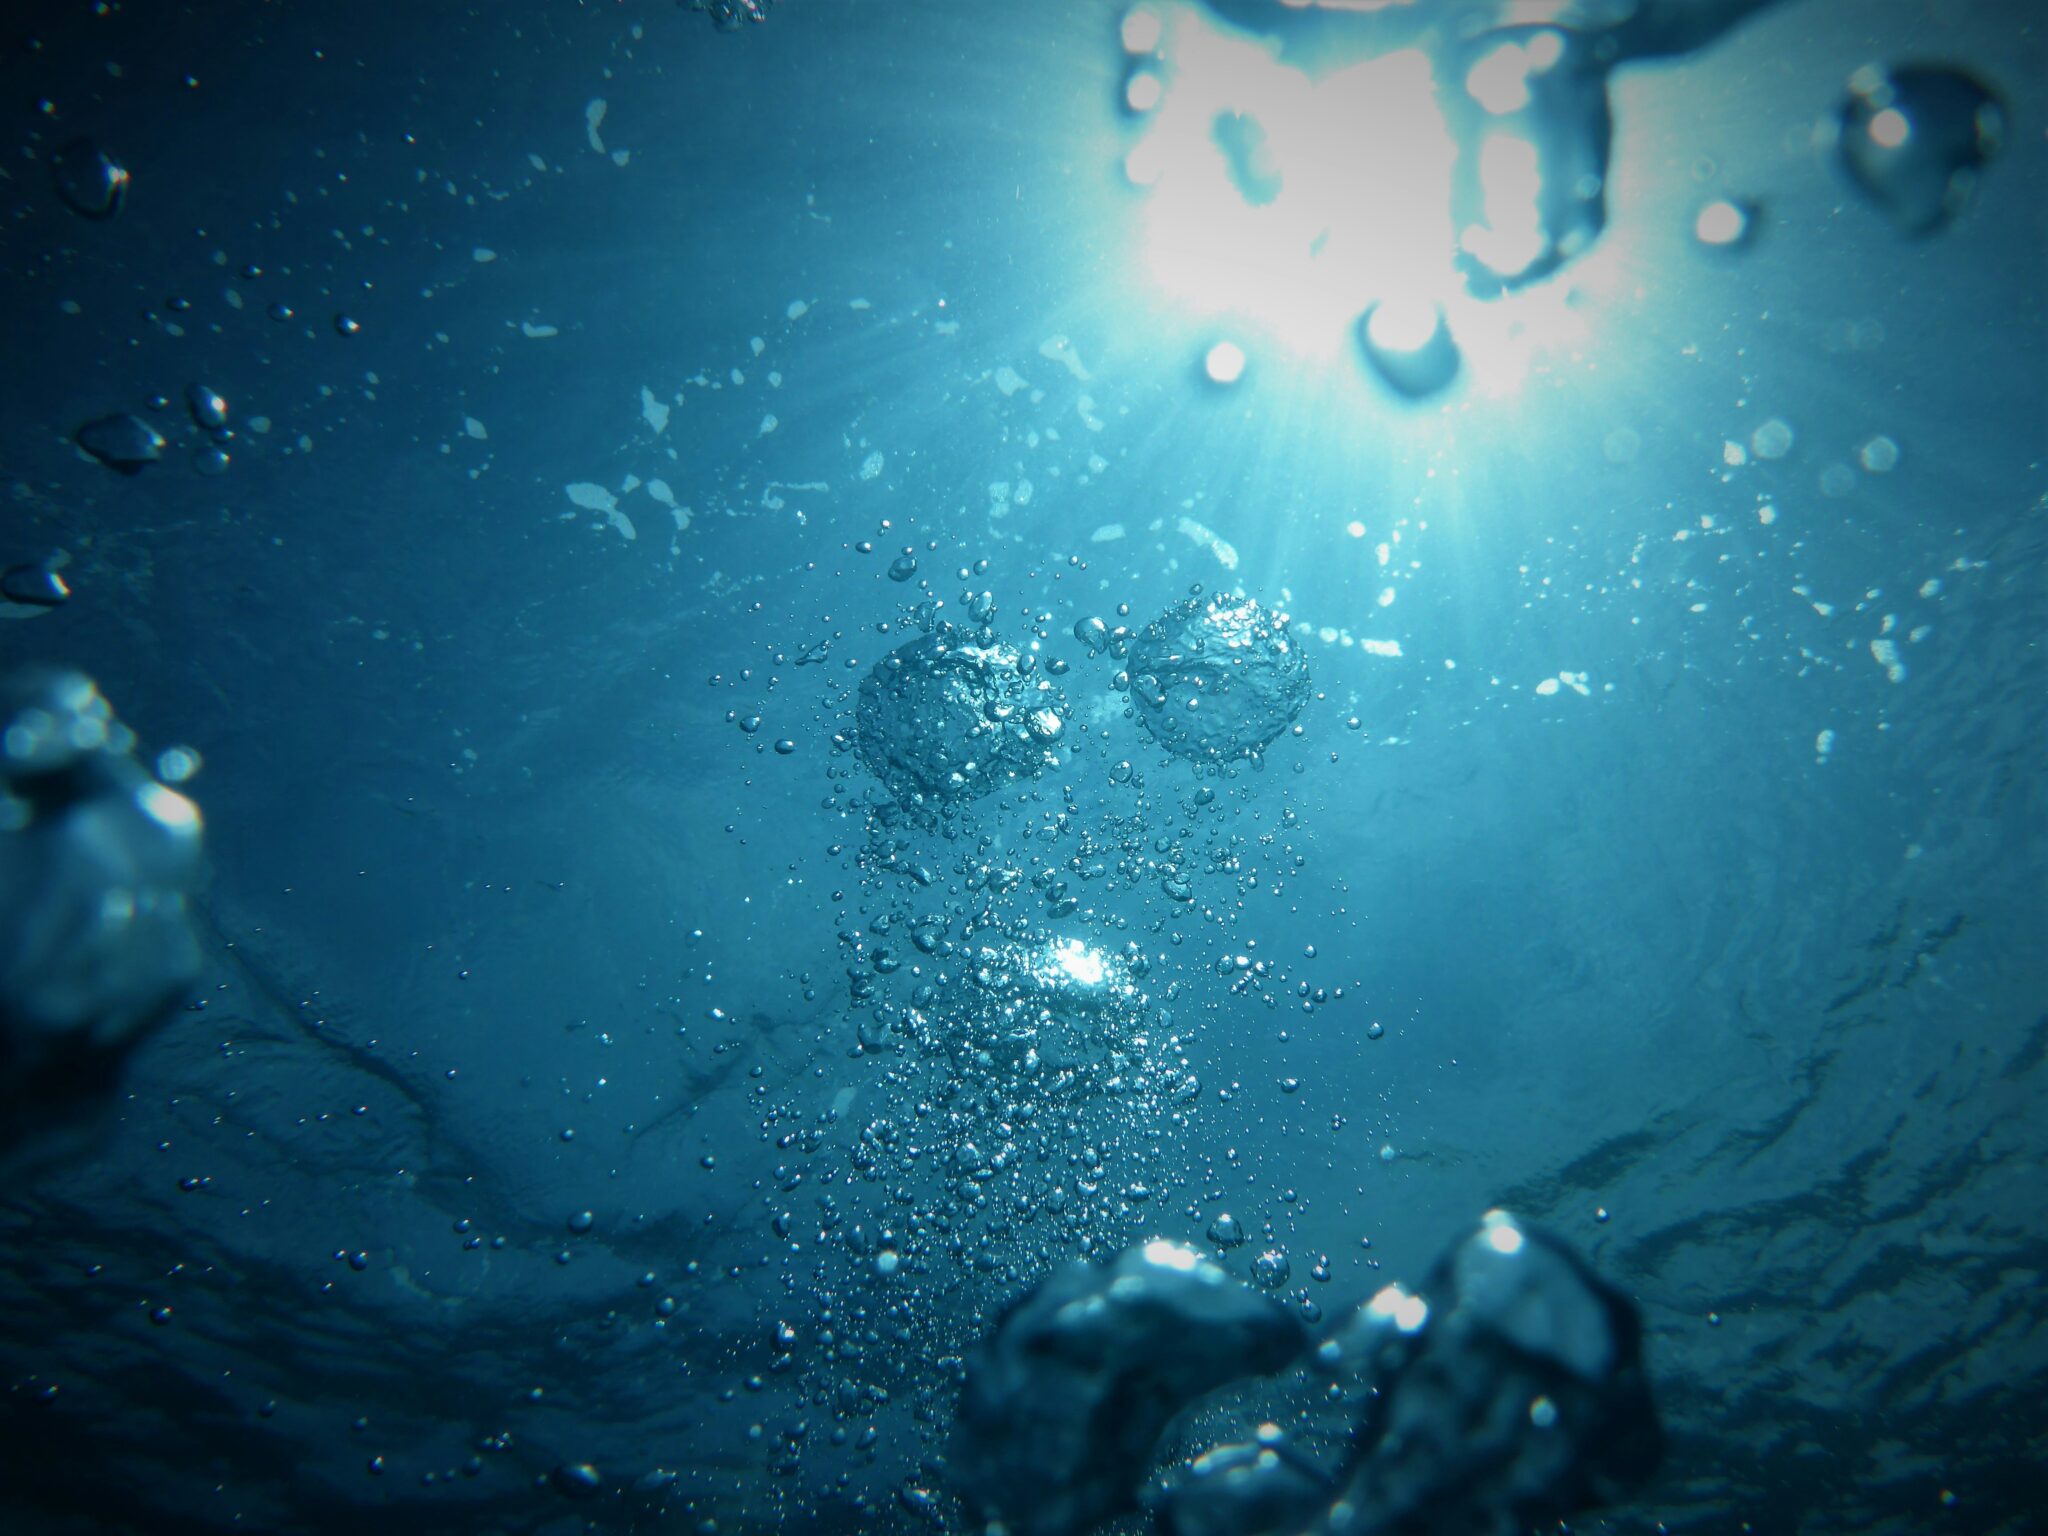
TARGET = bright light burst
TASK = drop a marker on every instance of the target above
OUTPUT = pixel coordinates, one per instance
(1080, 962)
(1306, 208)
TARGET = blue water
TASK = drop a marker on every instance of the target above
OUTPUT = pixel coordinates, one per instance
(1690, 860)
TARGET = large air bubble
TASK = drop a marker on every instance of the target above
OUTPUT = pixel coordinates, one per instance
(1217, 677)
(954, 714)
(1915, 139)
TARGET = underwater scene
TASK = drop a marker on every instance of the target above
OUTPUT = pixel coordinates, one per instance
(1220, 767)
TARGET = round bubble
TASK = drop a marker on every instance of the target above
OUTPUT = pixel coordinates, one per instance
(1915, 139)
(1217, 677)
(954, 714)
(1226, 1231)
(89, 180)
(1271, 1269)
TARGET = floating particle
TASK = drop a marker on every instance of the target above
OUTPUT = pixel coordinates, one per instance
(1216, 677)
(89, 180)
(125, 443)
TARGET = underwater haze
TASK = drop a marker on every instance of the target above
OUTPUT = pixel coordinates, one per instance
(840, 651)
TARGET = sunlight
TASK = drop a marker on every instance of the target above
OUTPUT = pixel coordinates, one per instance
(1321, 215)
(1081, 963)
(1295, 203)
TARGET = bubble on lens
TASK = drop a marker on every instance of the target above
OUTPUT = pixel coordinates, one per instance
(89, 180)
(954, 714)
(127, 444)
(1216, 677)
(208, 406)
(34, 586)
(1916, 139)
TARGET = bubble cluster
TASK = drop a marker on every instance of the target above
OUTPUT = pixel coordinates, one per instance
(1216, 677)
(954, 714)
(1506, 1392)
